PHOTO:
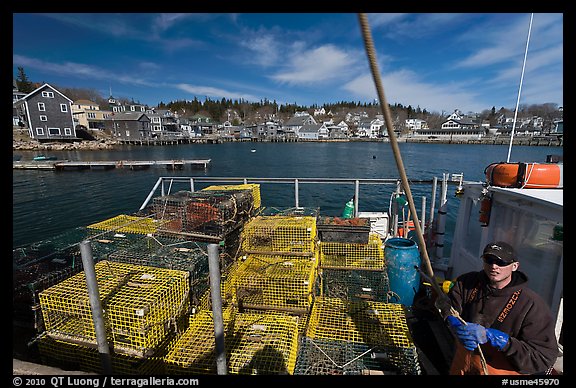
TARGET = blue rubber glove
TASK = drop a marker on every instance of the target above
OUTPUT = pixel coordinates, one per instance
(470, 334)
(497, 338)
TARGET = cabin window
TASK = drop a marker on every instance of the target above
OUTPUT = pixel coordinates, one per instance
(41, 107)
(91, 115)
(67, 131)
(53, 131)
(43, 118)
(63, 108)
(40, 131)
(48, 94)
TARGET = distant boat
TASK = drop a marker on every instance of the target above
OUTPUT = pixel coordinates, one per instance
(252, 150)
(41, 158)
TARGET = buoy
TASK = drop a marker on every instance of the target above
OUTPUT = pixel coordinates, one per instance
(348, 209)
(525, 175)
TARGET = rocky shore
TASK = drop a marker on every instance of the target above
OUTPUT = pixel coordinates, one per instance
(85, 145)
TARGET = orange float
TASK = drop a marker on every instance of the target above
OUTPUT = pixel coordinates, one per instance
(525, 175)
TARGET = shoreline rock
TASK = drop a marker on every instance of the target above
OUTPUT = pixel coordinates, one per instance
(33, 145)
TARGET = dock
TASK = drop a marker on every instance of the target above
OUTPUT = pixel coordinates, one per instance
(66, 165)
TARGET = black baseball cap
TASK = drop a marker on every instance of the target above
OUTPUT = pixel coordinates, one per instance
(501, 250)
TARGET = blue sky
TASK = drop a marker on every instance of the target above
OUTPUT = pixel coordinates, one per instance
(440, 62)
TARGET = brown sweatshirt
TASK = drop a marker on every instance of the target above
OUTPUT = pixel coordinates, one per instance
(515, 310)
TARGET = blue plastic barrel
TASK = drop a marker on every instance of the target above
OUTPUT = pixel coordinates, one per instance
(401, 256)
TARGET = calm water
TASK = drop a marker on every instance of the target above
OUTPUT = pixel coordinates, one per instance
(48, 203)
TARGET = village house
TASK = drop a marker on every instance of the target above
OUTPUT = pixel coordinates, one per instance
(48, 114)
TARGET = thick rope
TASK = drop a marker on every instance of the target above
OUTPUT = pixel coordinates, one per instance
(371, 52)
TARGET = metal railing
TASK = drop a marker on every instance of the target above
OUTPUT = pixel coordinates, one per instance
(166, 184)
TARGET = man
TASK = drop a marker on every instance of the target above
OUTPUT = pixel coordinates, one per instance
(511, 323)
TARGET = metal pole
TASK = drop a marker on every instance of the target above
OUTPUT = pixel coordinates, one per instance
(433, 203)
(519, 90)
(296, 194)
(356, 194)
(423, 220)
(442, 211)
(95, 306)
(215, 293)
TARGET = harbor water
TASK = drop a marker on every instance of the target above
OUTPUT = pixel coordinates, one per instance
(49, 203)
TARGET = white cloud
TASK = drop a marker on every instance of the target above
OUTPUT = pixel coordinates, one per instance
(324, 63)
(405, 88)
(76, 70)
(210, 91)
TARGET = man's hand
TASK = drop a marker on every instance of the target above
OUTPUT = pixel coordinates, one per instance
(470, 334)
(497, 338)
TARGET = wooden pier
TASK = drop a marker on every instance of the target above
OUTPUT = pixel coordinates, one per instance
(66, 165)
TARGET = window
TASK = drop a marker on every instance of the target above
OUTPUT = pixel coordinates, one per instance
(91, 115)
(48, 94)
(67, 131)
(43, 118)
(41, 107)
(53, 131)
(63, 108)
(40, 131)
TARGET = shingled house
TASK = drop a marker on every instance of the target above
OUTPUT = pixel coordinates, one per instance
(48, 114)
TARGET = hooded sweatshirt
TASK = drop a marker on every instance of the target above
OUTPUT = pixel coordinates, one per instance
(515, 310)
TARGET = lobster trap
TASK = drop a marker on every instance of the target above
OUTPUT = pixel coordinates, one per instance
(43, 264)
(255, 343)
(271, 282)
(353, 255)
(71, 356)
(333, 357)
(254, 188)
(142, 305)
(382, 326)
(170, 253)
(203, 214)
(280, 235)
(354, 284)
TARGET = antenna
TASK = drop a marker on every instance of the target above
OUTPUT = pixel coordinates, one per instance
(519, 89)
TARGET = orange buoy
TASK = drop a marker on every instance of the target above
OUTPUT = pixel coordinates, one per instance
(525, 175)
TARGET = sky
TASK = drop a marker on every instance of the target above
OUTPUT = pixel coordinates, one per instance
(436, 61)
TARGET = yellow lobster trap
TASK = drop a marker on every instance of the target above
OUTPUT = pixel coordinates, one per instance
(275, 282)
(381, 326)
(254, 344)
(280, 234)
(141, 304)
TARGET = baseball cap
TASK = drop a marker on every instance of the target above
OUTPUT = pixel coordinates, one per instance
(501, 250)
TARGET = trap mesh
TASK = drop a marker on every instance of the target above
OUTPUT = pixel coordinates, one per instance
(254, 343)
(142, 305)
(376, 324)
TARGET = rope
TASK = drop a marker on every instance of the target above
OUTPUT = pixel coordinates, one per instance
(371, 52)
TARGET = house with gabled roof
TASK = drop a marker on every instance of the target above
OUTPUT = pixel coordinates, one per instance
(48, 114)
(294, 124)
(88, 114)
(313, 132)
(129, 126)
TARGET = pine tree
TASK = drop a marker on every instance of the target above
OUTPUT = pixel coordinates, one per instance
(22, 81)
